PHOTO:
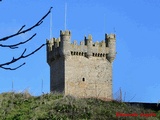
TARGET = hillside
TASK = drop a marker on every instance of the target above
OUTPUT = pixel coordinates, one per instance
(23, 106)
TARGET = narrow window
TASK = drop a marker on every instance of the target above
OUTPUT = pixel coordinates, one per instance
(83, 79)
(85, 54)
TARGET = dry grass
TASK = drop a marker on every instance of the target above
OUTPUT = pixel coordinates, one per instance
(23, 106)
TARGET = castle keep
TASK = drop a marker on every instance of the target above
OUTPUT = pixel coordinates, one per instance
(83, 70)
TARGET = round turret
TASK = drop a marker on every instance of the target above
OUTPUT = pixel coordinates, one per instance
(65, 37)
(111, 38)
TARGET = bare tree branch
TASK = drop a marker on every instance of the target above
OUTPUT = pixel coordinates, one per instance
(26, 30)
(21, 28)
(13, 68)
(34, 51)
(16, 45)
(20, 57)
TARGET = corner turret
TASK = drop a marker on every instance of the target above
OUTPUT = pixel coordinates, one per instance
(111, 44)
(65, 37)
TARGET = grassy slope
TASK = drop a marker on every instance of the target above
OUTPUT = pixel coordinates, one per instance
(23, 106)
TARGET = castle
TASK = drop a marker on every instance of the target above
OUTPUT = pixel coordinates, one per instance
(83, 70)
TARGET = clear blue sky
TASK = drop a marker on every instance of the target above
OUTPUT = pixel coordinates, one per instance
(135, 22)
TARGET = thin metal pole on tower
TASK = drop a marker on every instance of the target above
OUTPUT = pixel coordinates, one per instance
(114, 30)
(65, 16)
(51, 24)
(104, 23)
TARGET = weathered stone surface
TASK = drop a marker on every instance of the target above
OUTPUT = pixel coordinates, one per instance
(88, 77)
(83, 70)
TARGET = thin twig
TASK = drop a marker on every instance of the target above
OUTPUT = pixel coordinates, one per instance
(21, 28)
(131, 98)
(20, 31)
(21, 56)
(26, 30)
(13, 68)
(16, 45)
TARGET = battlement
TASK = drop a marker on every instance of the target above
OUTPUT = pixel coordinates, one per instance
(62, 47)
(111, 36)
(90, 37)
(65, 33)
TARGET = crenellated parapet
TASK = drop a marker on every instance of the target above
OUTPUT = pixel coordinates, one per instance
(62, 47)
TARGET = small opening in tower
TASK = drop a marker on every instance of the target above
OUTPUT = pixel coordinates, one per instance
(85, 54)
(83, 79)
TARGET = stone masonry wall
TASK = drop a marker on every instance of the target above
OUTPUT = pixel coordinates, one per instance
(88, 77)
(83, 70)
(57, 75)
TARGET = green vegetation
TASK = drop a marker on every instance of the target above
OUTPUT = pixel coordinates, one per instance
(23, 106)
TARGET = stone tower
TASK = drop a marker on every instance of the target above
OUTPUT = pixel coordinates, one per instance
(83, 70)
